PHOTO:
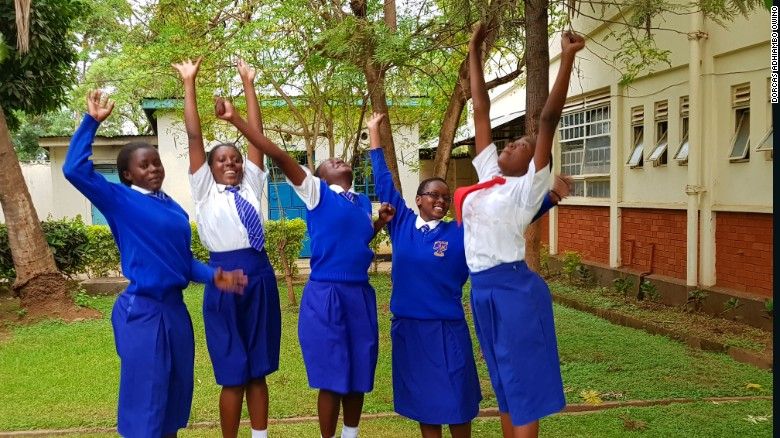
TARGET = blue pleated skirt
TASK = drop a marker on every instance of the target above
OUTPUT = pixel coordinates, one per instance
(156, 349)
(513, 318)
(339, 337)
(243, 332)
(434, 375)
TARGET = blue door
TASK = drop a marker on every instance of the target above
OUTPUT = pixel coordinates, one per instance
(282, 200)
(111, 175)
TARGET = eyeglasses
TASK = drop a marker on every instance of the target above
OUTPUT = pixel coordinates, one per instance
(434, 195)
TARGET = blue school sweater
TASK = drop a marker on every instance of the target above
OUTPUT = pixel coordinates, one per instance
(429, 269)
(340, 232)
(153, 235)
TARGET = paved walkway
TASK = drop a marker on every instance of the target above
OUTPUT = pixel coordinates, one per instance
(571, 409)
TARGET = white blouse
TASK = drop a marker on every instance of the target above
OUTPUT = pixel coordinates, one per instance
(309, 190)
(219, 225)
(495, 219)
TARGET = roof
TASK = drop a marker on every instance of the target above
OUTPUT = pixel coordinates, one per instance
(100, 140)
(509, 125)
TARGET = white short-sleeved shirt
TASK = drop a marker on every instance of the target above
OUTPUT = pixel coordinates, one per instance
(219, 225)
(495, 219)
(309, 190)
(419, 222)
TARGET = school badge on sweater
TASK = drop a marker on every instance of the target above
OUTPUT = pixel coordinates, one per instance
(439, 247)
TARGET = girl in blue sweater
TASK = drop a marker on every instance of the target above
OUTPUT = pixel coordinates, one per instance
(243, 332)
(337, 326)
(152, 328)
(434, 376)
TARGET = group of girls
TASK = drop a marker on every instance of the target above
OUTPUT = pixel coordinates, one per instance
(433, 370)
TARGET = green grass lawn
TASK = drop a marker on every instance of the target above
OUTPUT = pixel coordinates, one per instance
(55, 375)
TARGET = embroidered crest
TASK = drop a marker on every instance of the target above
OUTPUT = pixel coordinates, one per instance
(439, 246)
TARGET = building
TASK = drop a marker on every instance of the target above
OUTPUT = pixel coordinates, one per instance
(673, 171)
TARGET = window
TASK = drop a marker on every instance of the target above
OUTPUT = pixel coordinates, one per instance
(766, 143)
(585, 147)
(740, 142)
(364, 178)
(658, 156)
(275, 174)
(638, 138)
(682, 152)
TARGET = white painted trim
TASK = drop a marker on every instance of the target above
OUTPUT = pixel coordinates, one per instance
(743, 208)
(653, 205)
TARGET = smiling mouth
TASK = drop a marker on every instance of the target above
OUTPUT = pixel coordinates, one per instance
(438, 208)
(230, 173)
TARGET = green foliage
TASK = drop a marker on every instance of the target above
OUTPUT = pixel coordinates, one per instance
(284, 237)
(623, 286)
(650, 291)
(731, 305)
(696, 298)
(102, 252)
(381, 238)
(769, 306)
(37, 81)
(571, 264)
(32, 127)
(544, 259)
(198, 250)
(68, 241)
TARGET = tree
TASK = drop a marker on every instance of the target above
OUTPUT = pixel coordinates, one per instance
(50, 61)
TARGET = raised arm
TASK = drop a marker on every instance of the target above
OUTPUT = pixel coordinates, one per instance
(561, 189)
(188, 71)
(78, 168)
(253, 115)
(383, 180)
(289, 166)
(479, 95)
(571, 43)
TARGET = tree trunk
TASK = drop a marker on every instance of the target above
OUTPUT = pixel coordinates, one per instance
(537, 59)
(451, 120)
(375, 80)
(37, 279)
(288, 275)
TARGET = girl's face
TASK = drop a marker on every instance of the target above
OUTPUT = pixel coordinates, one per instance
(145, 169)
(434, 202)
(227, 166)
(333, 169)
(515, 157)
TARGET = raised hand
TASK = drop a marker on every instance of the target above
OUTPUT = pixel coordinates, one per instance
(188, 69)
(386, 212)
(562, 186)
(224, 110)
(246, 71)
(230, 281)
(477, 35)
(375, 120)
(99, 106)
(572, 42)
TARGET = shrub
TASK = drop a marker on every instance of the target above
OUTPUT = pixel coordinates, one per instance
(696, 298)
(650, 291)
(623, 286)
(570, 265)
(67, 239)
(102, 252)
(198, 250)
(283, 242)
(381, 238)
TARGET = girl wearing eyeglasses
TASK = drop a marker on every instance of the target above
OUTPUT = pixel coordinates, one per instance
(434, 376)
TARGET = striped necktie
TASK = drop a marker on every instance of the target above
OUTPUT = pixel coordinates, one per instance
(349, 195)
(425, 229)
(249, 218)
(159, 195)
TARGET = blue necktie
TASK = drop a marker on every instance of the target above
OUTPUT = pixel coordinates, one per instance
(425, 228)
(250, 219)
(160, 195)
(349, 195)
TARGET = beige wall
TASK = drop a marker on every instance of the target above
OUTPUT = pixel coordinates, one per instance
(38, 180)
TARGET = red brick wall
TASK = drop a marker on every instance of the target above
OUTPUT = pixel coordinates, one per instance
(656, 232)
(743, 252)
(584, 230)
(544, 228)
